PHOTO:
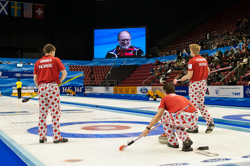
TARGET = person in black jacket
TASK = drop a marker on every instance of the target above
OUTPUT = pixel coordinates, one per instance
(124, 49)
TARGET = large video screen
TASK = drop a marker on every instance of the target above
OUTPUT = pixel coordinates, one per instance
(120, 43)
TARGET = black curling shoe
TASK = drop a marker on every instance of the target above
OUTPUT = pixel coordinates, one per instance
(187, 145)
(43, 140)
(61, 140)
(210, 127)
(189, 130)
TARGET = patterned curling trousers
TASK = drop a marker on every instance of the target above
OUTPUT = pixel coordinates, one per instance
(49, 98)
(197, 91)
(178, 124)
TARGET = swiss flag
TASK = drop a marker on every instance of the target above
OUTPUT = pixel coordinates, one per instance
(39, 11)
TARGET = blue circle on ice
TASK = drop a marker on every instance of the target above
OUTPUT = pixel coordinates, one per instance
(157, 131)
(237, 117)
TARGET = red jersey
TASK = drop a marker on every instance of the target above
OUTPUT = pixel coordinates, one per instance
(174, 103)
(48, 69)
(199, 66)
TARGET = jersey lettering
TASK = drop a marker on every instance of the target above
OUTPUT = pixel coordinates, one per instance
(202, 64)
(45, 66)
(200, 59)
(45, 60)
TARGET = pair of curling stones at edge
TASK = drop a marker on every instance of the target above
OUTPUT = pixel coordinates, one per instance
(164, 140)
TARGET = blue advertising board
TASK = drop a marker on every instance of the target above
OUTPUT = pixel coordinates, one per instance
(76, 89)
(16, 74)
(246, 91)
(182, 90)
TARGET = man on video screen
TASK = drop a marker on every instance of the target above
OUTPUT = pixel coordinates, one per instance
(125, 49)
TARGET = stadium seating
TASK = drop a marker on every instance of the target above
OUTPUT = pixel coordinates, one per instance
(225, 21)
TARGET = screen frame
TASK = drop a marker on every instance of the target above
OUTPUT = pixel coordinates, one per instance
(101, 28)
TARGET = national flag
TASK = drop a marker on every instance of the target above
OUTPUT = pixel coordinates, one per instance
(4, 7)
(27, 10)
(39, 11)
(16, 9)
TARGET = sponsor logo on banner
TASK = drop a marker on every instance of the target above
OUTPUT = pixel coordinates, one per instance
(181, 90)
(125, 90)
(88, 88)
(76, 89)
(143, 90)
(217, 91)
(216, 160)
(225, 91)
(155, 88)
(207, 91)
(18, 74)
(115, 90)
(247, 91)
(133, 90)
(120, 90)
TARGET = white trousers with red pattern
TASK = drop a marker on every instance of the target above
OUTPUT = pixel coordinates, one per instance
(178, 124)
(49, 98)
(197, 91)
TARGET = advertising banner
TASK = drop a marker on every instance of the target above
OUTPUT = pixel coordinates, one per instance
(90, 89)
(76, 89)
(125, 90)
(20, 75)
(225, 91)
(143, 89)
(155, 88)
(182, 90)
(246, 91)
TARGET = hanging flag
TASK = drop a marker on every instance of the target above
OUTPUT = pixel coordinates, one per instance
(39, 11)
(4, 7)
(16, 9)
(27, 10)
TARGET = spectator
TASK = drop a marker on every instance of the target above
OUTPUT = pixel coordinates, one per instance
(246, 77)
(169, 71)
(232, 81)
(217, 66)
(226, 52)
(152, 71)
(216, 77)
(21, 62)
(157, 62)
(206, 55)
(244, 49)
(244, 62)
(233, 43)
(8, 62)
(163, 79)
(1, 62)
(166, 64)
